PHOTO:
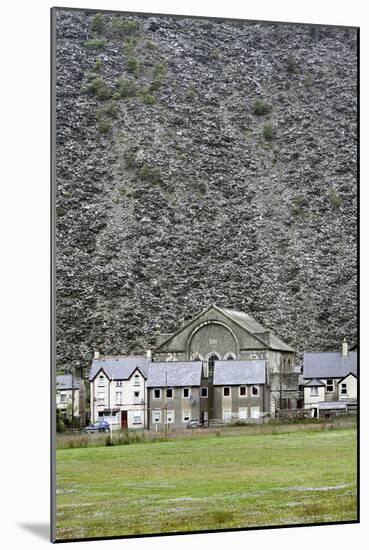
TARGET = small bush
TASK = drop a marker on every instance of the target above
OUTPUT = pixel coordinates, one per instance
(150, 174)
(150, 45)
(160, 70)
(126, 88)
(133, 65)
(91, 75)
(147, 97)
(297, 204)
(335, 199)
(129, 45)
(97, 66)
(99, 88)
(261, 107)
(308, 81)
(291, 65)
(125, 27)
(268, 132)
(95, 43)
(97, 25)
(130, 160)
(191, 93)
(105, 115)
(60, 211)
(215, 54)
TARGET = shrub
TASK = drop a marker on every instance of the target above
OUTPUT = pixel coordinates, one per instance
(160, 70)
(268, 132)
(125, 27)
(97, 66)
(60, 211)
(133, 65)
(104, 125)
(150, 45)
(129, 45)
(146, 96)
(297, 204)
(126, 88)
(95, 43)
(105, 115)
(291, 65)
(191, 93)
(308, 81)
(99, 88)
(97, 25)
(335, 199)
(150, 174)
(261, 107)
(215, 54)
(130, 160)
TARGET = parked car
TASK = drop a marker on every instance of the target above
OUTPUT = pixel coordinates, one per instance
(101, 426)
(195, 424)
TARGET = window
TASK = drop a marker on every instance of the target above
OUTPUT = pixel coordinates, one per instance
(101, 380)
(254, 412)
(137, 418)
(186, 392)
(227, 416)
(100, 398)
(343, 389)
(63, 398)
(136, 393)
(169, 393)
(211, 362)
(157, 394)
(118, 398)
(170, 417)
(254, 391)
(186, 416)
(204, 392)
(330, 386)
(314, 390)
(242, 413)
(119, 383)
(226, 392)
(156, 417)
(229, 356)
(137, 381)
(243, 392)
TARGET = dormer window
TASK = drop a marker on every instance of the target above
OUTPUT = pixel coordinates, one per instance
(137, 380)
(101, 380)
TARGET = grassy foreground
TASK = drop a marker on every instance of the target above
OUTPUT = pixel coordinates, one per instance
(207, 483)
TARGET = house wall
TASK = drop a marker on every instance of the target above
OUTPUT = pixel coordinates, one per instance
(313, 400)
(63, 407)
(351, 382)
(234, 402)
(130, 402)
(178, 404)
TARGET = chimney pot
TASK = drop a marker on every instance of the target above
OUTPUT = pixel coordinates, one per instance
(148, 353)
(96, 354)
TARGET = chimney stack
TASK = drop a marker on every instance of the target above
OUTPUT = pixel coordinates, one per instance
(148, 354)
(344, 348)
(96, 354)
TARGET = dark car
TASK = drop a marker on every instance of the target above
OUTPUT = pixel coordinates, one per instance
(101, 426)
(195, 424)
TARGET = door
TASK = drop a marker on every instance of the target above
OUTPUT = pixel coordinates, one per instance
(124, 420)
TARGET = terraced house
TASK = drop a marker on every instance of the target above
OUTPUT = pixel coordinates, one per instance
(330, 381)
(222, 365)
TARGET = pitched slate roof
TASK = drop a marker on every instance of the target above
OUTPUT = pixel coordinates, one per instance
(329, 364)
(256, 329)
(120, 367)
(174, 373)
(239, 372)
(64, 382)
(314, 382)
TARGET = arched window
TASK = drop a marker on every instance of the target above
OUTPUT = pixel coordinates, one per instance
(229, 356)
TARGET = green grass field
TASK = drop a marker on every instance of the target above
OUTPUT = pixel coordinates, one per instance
(207, 483)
